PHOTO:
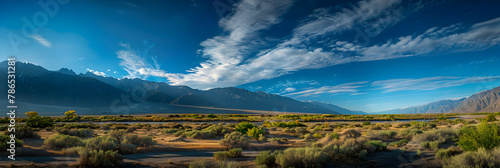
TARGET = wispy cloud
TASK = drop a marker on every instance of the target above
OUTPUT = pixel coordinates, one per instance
(432, 83)
(231, 62)
(136, 66)
(351, 88)
(96, 72)
(42, 40)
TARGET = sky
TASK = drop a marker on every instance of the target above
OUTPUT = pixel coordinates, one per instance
(369, 55)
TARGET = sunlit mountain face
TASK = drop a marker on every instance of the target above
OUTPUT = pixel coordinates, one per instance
(370, 55)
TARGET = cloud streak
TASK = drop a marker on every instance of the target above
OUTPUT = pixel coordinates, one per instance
(351, 88)
(432, 83)
(42, 40)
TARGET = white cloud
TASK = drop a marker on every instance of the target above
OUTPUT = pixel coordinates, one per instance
(351, 88)
(42, 40)
(230, 63)
(136, 65)
(431, 83)
(96, 72)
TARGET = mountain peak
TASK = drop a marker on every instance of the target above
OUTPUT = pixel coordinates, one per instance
(66, 71)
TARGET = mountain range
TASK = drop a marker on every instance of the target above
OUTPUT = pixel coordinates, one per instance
(37, 86)
(47, 91)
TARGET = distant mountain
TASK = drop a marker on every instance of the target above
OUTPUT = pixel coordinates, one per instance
(442, 106)
(230, 97)
(485, 101)
(37, 85)
(336, 108)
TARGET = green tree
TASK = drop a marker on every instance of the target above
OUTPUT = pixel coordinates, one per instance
(244, 126)
(40, 122)
(234, 140)
(70, 114)
(31, 114)
(255, 132)
(483, 135)
(490, 117)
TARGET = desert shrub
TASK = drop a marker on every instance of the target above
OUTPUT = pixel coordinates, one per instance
(377, 144)
(276, 141)
(317, 135)
(236, 152)
(82, 132)
(218, 129)
(301, 130)
(169, 131)
(62, 141)
(409, 133)
(199, 134)
(490, 117)
(221, 155)
(104, 143)
(480, 158)
(73, 151)
(267, 158)
(375, 127)
(206, 163)
(362, 154)
(446, 153)
(399, 143)
(351, 133)
(424, 144)
(243, 127)
(99, 158)
(262, 138)
(302, 157)
(387, 134)
(5, 138)
(117, 134)
(24, 132)
(435, 135)
(139, 141)
(434, 144)
(366, 122)
(483, 135)
(255, 132)
(234, 140)
(39, 122)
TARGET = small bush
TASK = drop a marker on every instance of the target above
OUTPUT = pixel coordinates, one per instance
(302, 157)
(267, 158)
(62, 141)
(99, 158)
(484, 135)
(24, 132)
(104, 143)
(366, 123)
(351, 133)
(255, 132)
(236, 152)
(480, 158)
(490, 118)
(446, 153)
(205, 163)
(379, 145)
(221, 155)
(234, 140)
(399, 143)
(139, 141)
(387, 134)
(243, 127)
(3, 142)
(409, 133)
(435, 135)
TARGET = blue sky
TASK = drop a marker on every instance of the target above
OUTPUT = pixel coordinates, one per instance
(369, 55)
